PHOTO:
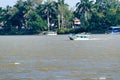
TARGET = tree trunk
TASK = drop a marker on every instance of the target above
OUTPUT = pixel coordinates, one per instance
(59, 21)
(48, 22)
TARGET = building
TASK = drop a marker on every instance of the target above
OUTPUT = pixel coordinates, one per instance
(76, 23)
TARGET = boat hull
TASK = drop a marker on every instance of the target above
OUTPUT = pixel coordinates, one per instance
(79, 37)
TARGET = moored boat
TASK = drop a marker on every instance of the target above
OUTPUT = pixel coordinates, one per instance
(49, 33)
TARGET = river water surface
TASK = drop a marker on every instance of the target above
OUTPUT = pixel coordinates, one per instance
(58, 58)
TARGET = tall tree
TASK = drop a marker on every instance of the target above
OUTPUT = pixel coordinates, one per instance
(36, 23)
(104, 14)
(1, 15)
(6, 19)
(24, 8)
(47, 11)
(62, 7)
(83, 10)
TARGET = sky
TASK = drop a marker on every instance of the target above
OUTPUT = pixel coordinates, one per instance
(4, 3)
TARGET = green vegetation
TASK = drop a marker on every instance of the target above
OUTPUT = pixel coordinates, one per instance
(33, 17)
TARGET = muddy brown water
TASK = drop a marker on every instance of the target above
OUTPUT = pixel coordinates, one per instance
(57, 58)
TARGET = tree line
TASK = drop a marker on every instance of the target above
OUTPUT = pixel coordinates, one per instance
(35, 16)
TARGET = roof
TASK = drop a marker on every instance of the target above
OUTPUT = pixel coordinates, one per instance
(115, 26)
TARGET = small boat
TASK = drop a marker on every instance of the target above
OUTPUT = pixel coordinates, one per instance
(49, 33)
(79, 37)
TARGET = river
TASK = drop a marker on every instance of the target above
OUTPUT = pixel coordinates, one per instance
(58, 58)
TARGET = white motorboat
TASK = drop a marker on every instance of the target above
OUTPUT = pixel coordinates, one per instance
(79, 37)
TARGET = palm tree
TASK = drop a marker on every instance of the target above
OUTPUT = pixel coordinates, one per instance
(48, 11)
(83, 10)
(62, 7)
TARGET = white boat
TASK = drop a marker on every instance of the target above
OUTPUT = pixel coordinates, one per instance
(79, 37)
(50, 33)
